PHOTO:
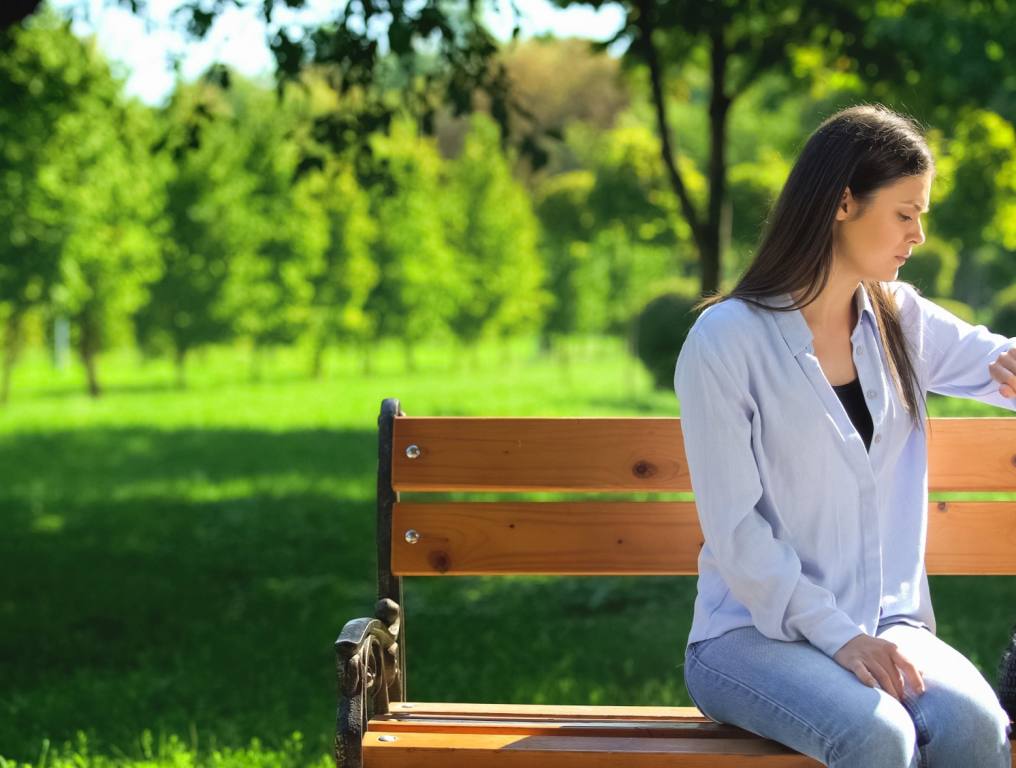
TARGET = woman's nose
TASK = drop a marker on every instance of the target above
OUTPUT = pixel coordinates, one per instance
(918, 237)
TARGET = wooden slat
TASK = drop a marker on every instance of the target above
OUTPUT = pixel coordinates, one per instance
(639, 454)
(975, 454)
(550, 454)
(642, 538)
(577, 538)
(672, 722)
(442, 750)
(534, 735)
(570, 711)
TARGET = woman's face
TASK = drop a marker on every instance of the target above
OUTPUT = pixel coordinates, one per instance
(872, 242)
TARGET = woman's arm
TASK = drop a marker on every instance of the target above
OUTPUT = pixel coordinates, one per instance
(960, 359)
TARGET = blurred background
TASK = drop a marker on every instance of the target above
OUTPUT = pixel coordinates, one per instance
(229, 229)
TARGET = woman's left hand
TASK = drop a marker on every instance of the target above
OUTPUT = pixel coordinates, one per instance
(1003, 370)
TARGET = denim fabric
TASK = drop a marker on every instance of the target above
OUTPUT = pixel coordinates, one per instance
(795, 694)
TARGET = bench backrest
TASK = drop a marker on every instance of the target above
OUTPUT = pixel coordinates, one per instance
(643, 456)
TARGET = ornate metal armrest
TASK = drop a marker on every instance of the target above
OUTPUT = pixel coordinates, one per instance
(368, 671)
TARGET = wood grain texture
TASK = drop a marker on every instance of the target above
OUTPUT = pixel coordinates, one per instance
(642, 538)
(634, 454)
(437, 750)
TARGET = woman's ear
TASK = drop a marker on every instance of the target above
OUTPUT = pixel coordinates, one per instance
(846, 205)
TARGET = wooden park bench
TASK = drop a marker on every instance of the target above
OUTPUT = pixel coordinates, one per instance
(378, 726)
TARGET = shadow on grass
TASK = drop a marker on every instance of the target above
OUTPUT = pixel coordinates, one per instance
(128, 601)
(193, 582)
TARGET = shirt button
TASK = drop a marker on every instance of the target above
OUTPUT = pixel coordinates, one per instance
(871, 394)
(858, 352)
(878, 438)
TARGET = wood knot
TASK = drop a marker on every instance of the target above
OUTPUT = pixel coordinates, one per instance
(943, 507)
(439, 561)
(643, 469)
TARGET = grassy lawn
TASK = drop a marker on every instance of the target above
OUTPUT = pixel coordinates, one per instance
(175, 565)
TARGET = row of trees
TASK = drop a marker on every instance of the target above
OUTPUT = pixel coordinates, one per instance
(236, 212)
(225, 216)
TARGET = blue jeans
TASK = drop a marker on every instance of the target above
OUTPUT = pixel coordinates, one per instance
(794, 694)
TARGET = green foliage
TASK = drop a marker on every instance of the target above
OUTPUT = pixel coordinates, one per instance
(84, 195)
(206, 225)
(662, 327)
(958, 308)
(610, 231)
(982, 172)
(335, 242)
(1003, 312)
(494, 232)
(108, 197)
(265, 283)
(932, 266)
(421, 285)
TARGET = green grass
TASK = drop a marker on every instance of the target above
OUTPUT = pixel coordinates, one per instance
(175, 565)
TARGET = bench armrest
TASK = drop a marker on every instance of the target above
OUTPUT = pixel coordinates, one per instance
(368, 675)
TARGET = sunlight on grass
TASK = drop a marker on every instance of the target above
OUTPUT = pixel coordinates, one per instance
(180, 562)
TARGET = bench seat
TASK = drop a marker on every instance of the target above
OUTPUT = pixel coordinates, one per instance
(429, 735)
(440, 735)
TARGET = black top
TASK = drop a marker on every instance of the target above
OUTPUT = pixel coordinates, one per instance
(853, 403)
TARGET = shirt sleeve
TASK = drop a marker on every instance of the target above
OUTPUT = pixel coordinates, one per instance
(762, 572)
(956, 354)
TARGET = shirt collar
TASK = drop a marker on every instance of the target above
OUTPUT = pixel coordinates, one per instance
(795, 328)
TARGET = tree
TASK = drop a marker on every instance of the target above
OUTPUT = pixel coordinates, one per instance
(38, 64)
(420, 285)
(266, 282)
(84, 217)
(336, 238)
(491, 226)
(110, 202)
(207, 220)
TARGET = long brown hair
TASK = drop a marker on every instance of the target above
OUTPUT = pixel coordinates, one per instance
(864, 147)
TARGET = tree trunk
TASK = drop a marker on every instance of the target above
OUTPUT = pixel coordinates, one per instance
(707, 234)
(719, 107)
(12, 341)
(317, 361)
(180, 360)
(255, 362)
(88, 347)
(647, 26)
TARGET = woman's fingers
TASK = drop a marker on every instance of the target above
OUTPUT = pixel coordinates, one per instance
(861, 673)
(886, 681)
(1003, 370)
(912, 673)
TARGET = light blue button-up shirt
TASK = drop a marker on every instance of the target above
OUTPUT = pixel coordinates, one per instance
(808, 535)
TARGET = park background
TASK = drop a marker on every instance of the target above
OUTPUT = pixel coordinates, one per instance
(204, 298)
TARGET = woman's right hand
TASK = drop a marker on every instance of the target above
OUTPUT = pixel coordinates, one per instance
(874, 660)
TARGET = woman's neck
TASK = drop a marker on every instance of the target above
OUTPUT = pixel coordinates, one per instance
(834, 310)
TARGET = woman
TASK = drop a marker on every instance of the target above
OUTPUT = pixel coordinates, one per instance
(803, 412)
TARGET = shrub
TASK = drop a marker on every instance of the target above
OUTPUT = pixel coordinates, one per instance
(660, 329)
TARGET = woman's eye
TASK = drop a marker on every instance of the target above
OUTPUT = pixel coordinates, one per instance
(904, 217)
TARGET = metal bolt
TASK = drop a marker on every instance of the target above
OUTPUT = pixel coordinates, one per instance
(412, 536)
(386, 738)
(413, 451)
